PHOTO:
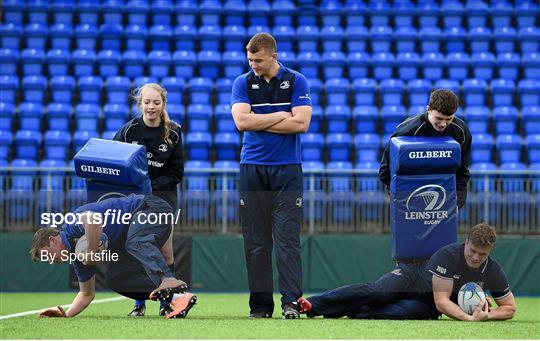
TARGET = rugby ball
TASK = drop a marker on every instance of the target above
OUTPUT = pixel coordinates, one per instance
(82, 244)
(470, 296)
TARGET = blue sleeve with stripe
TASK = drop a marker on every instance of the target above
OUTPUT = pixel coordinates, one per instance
(300, 94)
(239, 91)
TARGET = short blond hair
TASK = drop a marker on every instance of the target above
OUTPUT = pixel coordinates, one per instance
(261, 41)
(482, 235)
(40, 240)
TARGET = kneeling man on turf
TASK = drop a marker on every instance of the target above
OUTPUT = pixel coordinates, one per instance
(140, 270)
(424, 291)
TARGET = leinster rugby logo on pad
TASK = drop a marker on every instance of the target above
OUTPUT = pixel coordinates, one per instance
(425, 202)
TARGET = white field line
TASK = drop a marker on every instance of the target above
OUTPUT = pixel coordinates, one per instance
(30, 312)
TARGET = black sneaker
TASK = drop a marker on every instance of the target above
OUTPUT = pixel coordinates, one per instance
(290, 311)
(165, 309)
(260, 315)
(138, 310)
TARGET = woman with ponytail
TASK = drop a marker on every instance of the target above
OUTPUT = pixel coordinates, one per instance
(163, 141)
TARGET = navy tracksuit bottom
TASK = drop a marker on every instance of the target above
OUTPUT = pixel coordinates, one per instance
(271, 216)
(398, 295)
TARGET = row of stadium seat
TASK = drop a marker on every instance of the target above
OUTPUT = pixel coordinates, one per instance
(303, 39)
(280, 12)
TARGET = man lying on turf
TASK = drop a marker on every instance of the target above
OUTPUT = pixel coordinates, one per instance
(140, 271)
(424, 291)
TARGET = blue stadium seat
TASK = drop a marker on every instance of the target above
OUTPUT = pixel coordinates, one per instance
(337, 91)
(476, 13)
(357, 37)
(354, 12)
(372, 205)
(184, 63)
(200, 89)
(479, 39)
(229, 211)
(62, 88)
(508, 65)
(224, 121)
(505, 118)
(331, 11)
(209, 63)
(535, 178)
(316, 119)
(76, 195)
(159, 63)
(526, 13)
(210, 38)
(142, 80)
(504, 39)
(418, 91)
(529, 38)
(404, 13)
(367, 147)
(341, 199)
(339, 182)
(7, 113)
(315, 88)
(532, 145)
(20, 196)
(517, 206)
(482, 148)
(312, 147)
(333, 64)
(408, 65)
(339, 146)
(285, 37)
(137, 12)
(111, 36)
(87, 117)
(186, 12)
(531, 65)
(116, 114)
(161, 12)
(455, 39)
(32, 61)
(224, 90)
(9, 59)
(433, 64)
(6, 138)
(430, 39)
(234, 64)
(236, 35)
(88, 11)
(428, 14)
(199, 116)
(391, 116)
(509, 147)
(416, 109)
(36, 35)
(198, 145)
(160, 37)
(227, 146)
(478, 118)
(108, 134)
(529, 92)
(197, 195)
(83, 62)
(27, 143)
(313, 177)
(51, 190)
(234, 12)
(135, 37)
(288, 59)
(381, 38)
(475, 91)
(34, 88)
(133, 63)
(8, 88)
(22, 174)
(501, 13)
(405, 38)
(108, 63)
(185, 37)
(59, 116)
(448, 84)
(112, 11)
(210, 12)
(453, 12)
(382, 65)
(38, 11)
(391, 91)
(86, 35)
(61, 35)
(30, 114)
(310, 64)
(310, 38)
(512, 182)
(56, 143)
(380, 12)
(364, 91)
(80, 137)
(368, 180)
(90, 89)
(483, 181)
(530, 116)
(458, 65)
(282, 12)
(358, 64)
(10, 35)
(175, 89)
(14, 11)
(365, 118)
(177, 112)
(58, 61)
(259, 12)
(502, 92)
(337, 118)
(333, 38)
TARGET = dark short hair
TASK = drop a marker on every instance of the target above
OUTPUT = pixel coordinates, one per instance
(482, 235)
(261, 41)
(40, 240)
(445, 101)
